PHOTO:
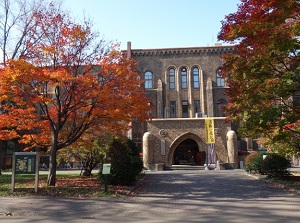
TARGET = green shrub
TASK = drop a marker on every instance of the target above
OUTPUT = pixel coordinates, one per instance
(253, 162)
(275, 165)
(125, 164)
(134, 150)
(136, 161)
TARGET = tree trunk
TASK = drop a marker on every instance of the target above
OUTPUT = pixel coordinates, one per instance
(87, 172)
(52, 167)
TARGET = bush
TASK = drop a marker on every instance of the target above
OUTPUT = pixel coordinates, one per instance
(125, 165)
(136, 161)
(254, 161)
(275, 165)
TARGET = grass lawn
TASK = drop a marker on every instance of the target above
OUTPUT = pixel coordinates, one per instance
(67, 185)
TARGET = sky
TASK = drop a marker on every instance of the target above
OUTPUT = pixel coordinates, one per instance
(149, 24)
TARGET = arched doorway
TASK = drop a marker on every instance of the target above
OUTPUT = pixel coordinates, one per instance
(188, 153)
(186, 140)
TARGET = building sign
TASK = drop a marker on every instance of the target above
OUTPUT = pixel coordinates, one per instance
(209, 131)
(106, 168)
(25, 163)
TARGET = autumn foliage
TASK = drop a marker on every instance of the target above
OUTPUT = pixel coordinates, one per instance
(67, 85)
(264, 73)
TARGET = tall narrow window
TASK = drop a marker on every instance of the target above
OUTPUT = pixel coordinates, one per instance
(197, 108)
(220, 79)
(172, 79)
(148, 80)
(172, 109)
(185, 109)
(183, 74)
(196, 82)
(221, 103)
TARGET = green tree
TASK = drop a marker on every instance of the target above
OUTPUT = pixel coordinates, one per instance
(125, 161)
(92, 153)
(264, 73)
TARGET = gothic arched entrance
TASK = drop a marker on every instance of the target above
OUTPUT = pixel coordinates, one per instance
(188, 153)
(187, 149)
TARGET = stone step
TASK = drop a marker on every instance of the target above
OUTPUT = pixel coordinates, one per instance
(187, 167)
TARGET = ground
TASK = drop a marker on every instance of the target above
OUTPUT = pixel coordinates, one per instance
(73, 185)
(67, 185)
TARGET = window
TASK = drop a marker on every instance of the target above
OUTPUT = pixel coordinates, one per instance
(220, 79)
(221, 103)
(183, 74)
(172, 109)
(185, 113)
(195, 78)
(197, 107)
(11, 146)
(172, 79)
(148, 80)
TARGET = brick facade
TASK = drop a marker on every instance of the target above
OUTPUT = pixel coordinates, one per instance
(176, 79)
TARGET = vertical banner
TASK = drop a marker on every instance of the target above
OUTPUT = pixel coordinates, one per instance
(209, 131)
(211, 155)
(210, 143)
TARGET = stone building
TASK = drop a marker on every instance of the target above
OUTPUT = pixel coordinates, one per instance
(185, 88)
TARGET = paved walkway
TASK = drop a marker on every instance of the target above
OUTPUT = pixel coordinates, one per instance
(168, 196)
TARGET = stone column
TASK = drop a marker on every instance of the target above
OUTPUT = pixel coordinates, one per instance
(167, 103)
(178, 99)
(232, 148)
(210, 98)
(202, 94)
(148, 152)
(190, 94)
(159, 99)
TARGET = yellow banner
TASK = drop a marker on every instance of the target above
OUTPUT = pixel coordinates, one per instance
(209, 131)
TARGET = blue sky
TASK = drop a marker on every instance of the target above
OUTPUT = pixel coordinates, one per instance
(155, 23)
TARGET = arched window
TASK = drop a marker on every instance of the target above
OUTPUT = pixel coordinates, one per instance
(195, 74)
(220, 79)
(148, 80)
(172, 79)
(183, 74)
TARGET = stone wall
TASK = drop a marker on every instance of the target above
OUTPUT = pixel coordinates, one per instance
(169, 133)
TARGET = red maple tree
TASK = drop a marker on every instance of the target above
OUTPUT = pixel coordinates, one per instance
(65, 84)
(263, 74)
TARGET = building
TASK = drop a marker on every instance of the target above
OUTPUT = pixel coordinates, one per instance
(185, 88)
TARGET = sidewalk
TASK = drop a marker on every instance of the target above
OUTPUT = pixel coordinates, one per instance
(168, 196)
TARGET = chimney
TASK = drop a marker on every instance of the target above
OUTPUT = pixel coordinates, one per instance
(128, 49)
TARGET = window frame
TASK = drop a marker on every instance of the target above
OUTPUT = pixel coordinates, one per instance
(173, 112)
(198, 77)
(148, 84)
(219, 79)
(184, 84)
(172, 82)
(185, 108)
(197, 106)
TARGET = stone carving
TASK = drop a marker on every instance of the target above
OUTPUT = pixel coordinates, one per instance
(163, 133)
(217, 130)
